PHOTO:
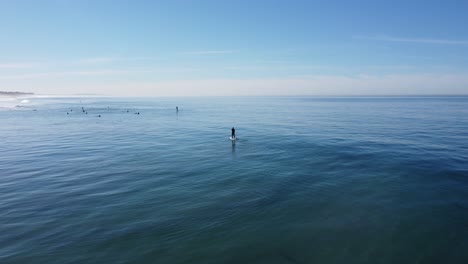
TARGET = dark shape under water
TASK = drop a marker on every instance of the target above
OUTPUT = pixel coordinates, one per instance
(461, 206)
(289, 258)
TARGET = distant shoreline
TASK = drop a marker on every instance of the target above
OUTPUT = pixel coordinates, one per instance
(14, 94)
(21, 94)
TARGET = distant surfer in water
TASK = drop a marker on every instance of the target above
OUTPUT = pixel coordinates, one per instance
(177, 109)
(233, 133)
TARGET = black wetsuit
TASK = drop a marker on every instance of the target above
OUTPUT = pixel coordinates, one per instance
(233, 134)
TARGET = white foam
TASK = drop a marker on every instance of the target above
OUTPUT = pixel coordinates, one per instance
(12, 102)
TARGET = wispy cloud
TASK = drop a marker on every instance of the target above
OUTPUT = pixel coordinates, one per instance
(16, 65)
(61, 74)
(96, 60)
(208, 52)
(278, 66)
(99, 60)
(414, 40)
(101, 72)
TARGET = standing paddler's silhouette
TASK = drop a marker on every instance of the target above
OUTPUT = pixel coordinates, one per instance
(233, 133)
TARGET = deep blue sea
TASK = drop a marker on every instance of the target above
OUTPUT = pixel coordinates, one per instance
(310, 180)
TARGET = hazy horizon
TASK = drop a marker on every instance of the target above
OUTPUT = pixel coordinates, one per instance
(217, 48)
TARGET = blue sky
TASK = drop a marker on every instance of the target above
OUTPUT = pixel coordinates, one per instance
(151, 48)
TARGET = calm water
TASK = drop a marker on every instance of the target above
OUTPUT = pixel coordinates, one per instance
(311, 180)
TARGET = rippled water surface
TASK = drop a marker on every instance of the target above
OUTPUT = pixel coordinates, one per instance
(310, 180)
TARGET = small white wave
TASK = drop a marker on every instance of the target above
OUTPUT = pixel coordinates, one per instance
(13, 102)
(6, 102)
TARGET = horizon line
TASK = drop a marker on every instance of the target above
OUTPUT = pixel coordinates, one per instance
(199, 96)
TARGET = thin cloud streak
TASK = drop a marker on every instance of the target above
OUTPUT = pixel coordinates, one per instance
(16, 65)
(94, 73)
(61, 74)
(208, 52)
(98, 60)
(414, 40)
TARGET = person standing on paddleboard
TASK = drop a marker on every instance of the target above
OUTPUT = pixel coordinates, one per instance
(233, 133)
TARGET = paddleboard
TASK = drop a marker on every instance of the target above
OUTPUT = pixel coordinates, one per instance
(233, 139)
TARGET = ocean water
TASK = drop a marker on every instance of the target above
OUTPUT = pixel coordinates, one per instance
(310, 180)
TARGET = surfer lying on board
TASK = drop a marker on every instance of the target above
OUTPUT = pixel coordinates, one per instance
(233, 133)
